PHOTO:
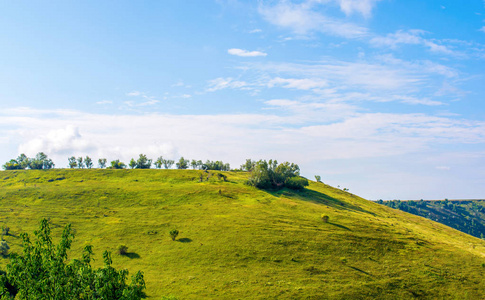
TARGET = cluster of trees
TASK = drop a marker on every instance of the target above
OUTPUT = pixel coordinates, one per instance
(80, 162)
(42, 272)
(271, 175)
(465, 215)
(39, 162)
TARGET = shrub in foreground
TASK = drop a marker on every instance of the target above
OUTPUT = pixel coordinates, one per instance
(41, 272)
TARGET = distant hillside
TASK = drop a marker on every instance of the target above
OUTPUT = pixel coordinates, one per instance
(239, 242)
(465, 215)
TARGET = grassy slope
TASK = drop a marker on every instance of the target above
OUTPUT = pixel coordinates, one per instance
(244, 243)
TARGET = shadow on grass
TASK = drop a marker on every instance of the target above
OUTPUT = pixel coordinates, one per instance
(359, 270)
(340, 226)
(317, 197)
(184, 240)
(132, 255)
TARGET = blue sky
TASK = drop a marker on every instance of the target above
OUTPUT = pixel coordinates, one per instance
(383, 97)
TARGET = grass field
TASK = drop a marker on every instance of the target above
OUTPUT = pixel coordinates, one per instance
(238, 242)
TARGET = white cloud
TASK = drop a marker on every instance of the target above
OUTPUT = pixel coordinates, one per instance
(60, 141)
(303, 19)
(257, 30)
(103, 102)
(363, 7)
(141, 104)
(245, 53)
(443, 168)
(410, 37)
(134, 94)
(223, 83)
(482, 29)
(300, 84)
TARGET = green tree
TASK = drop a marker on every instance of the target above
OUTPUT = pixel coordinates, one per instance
(102, 163)
(117, 164)
(270, 174)
(173, 234)
(23, 160)
(80, 163)
(248, 165)
(132, 163)
(168, 163)
(72, 162)
(41, 161)
(159, 162)
(88, 162)
(182, 163)
(318, 178)
(143, 162)
(193, 163)
(12, 165)
(42, 272)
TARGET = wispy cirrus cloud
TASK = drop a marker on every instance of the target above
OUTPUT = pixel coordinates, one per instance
(224, 83)
(302, 19)
(245, 53)
(411, 37)
(300, 84)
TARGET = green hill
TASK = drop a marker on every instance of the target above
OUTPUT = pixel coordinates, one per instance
(467, 216)
(238, 242)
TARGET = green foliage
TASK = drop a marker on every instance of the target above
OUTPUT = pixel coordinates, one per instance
(40, 162)
(122, 249)
(143, 162)
(168, 163)
(248, 165)
(296, 183)
(21, 163)
(318, 178)
(173, 234)
(214, 165)
(42, 272)
(270, 174)
(72, 162)
(102, 163)
(182, 163)
(132, 163)
(159, 162)
(467, 216)
(88, 162)
(80, 163)
(117, 164)
(12, 165)
(5, 230)
(325, 218)
(4, 248)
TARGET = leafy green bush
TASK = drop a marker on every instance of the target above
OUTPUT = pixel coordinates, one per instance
(4, 248)
(296, 183)
(265, 175)
(117, 164)
(5, 230)
(122, 249)
(325, 218)
(41, 272)
(173, 234)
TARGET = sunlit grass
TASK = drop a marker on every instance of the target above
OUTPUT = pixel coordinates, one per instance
(238, 242)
